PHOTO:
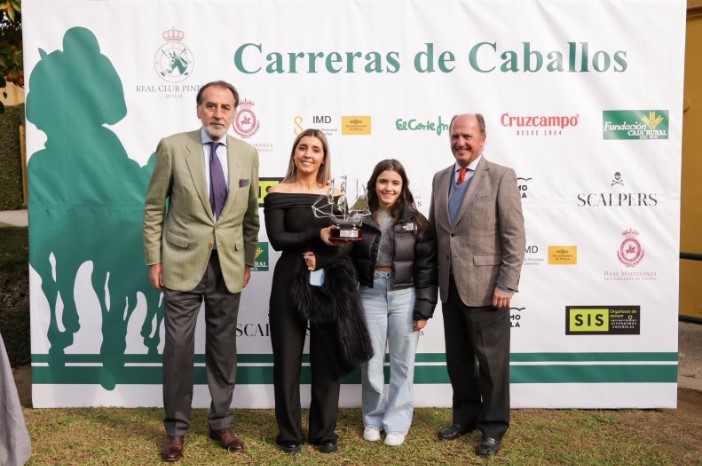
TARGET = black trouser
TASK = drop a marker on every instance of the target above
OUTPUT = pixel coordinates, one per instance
(288, 332)
(477, 358)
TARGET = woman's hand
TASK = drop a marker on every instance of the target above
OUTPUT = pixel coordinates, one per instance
(419, 325)
(325, 236)
(310, 260)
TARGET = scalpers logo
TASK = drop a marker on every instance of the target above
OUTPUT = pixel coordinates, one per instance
(617, 198)
(635, 124)
(245, 122)
(523, 187)
(630, 251)
(437, 126)
(253, 329)
(539, 125)
(173, 61)
(261, 259)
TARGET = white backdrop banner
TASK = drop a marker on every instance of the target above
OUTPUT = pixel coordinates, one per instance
(582, 98)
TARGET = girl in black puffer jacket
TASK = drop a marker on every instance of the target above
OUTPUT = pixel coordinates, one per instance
(396, 267)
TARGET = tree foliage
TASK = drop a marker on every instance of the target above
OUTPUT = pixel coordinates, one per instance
(10, 45)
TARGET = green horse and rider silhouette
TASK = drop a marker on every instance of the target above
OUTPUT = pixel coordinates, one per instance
(86, 200)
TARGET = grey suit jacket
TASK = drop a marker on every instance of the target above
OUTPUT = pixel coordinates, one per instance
(486, 244)
(180, 234)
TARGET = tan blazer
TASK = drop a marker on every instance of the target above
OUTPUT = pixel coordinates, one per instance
(486, 244)
(182, 235)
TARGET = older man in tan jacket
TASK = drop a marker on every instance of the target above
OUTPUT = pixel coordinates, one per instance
(200, 238)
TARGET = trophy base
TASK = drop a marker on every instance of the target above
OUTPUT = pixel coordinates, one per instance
(346, 234)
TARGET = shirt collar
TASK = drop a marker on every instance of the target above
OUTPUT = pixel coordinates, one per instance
(206, 139)
(471, 166)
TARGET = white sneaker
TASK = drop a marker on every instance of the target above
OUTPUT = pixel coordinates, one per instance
(394, 439)
(371, 434)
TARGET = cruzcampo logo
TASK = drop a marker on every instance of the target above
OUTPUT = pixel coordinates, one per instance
(635, 124)
(261, 259)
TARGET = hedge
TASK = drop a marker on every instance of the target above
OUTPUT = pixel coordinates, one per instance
(10, 158)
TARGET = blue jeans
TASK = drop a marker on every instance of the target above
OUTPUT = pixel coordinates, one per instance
(389, 318)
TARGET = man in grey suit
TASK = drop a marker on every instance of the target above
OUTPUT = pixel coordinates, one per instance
(477, 216)
(200, 238)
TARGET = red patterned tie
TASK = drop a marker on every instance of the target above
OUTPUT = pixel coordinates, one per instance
(461, 176)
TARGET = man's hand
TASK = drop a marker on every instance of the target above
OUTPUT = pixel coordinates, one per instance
(247, 275)
(156, 276)
(501, 298)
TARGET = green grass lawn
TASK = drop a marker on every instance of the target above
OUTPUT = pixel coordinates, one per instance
(117, 436)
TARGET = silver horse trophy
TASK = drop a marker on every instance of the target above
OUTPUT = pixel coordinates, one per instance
(347, 220)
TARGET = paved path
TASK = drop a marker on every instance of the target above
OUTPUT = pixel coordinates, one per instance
(689, 334)
(16, 218)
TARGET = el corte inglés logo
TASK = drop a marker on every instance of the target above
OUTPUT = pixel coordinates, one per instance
(635, 124)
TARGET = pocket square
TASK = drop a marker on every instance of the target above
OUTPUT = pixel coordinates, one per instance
(243, 182)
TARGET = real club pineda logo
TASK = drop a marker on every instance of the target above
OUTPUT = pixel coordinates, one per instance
(630, 252)
(173, 61)
(245, 122)
(635, 124)
(261, 259)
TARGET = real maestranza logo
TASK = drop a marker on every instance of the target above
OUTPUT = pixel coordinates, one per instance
(245, 122)
(635, 124)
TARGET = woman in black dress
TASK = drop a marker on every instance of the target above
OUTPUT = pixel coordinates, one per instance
(339, 340)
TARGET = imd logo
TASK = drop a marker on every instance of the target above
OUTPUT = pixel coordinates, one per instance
(635, 124)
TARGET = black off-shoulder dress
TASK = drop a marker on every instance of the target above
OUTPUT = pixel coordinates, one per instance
(339, 340)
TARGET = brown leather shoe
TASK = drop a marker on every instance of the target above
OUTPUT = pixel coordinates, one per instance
(172, 448)
(227, 439)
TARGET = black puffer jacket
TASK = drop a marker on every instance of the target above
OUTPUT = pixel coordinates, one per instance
(414, 260)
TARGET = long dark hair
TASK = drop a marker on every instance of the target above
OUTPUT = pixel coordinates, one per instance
(404, 202)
